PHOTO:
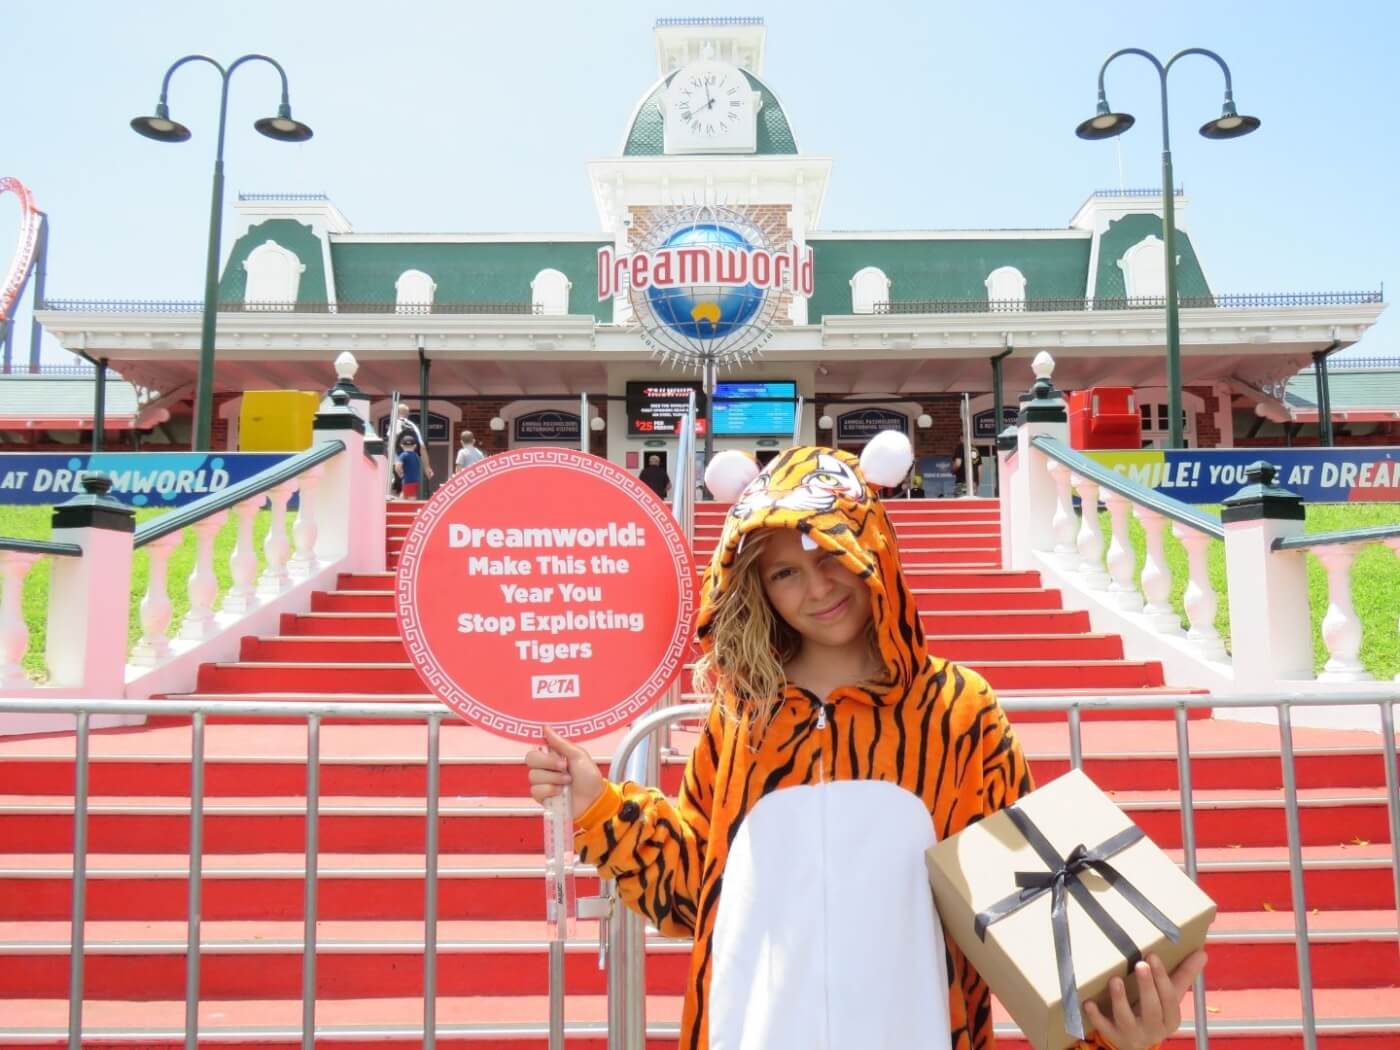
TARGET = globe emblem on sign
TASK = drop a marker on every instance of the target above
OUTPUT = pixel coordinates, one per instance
(706, 311)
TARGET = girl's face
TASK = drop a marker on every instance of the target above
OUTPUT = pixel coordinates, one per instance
(812, 591)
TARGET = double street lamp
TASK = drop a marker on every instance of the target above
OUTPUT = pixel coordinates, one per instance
(1104, 124)
(282, 127)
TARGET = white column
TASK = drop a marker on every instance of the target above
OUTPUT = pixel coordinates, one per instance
(1200, 599)
(1156, 574)
(1121, 559)
(275, 579)
(1062, 525)
(1394, 544)
(204, 583)
(14, 631)
(242, 596)
(1341, 627)
(1089, 541)
(303, 561)
(154, 646)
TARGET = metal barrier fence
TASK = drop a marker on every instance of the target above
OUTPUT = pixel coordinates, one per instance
(637, 758)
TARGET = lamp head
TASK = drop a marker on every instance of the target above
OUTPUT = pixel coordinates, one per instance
(1229, 125)
(283, 127)
(1105, 123)
(160, 127)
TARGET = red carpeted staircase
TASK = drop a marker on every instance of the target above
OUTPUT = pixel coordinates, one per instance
(492, 962)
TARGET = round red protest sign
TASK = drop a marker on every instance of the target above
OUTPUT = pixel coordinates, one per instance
(546, 587)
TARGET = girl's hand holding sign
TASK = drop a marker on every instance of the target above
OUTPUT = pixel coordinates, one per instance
(559, 764)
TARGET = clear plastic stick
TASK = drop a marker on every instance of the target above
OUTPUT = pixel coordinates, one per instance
(559, 865)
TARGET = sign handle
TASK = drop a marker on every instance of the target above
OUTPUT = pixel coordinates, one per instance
(559, 901)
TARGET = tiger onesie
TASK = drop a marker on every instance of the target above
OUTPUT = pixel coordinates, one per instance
(796, 862)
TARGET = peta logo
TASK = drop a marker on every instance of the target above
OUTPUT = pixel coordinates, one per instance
(554, 687)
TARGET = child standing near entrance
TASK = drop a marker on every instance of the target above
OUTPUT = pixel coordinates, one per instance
(408, 466)
(836, 751)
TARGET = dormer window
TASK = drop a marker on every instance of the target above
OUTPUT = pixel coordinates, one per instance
(274, 276)
(1145, 270)
(868, 287)
(1006, 286)
(549, 292)
(414, 291)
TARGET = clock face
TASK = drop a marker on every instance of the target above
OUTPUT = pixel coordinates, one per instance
(709, 103)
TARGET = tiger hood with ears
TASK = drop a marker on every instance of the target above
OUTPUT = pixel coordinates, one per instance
(827, 496)
(794, 857)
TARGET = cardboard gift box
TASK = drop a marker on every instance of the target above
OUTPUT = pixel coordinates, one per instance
(1065, 848)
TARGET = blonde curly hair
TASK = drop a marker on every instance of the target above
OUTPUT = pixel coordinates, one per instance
(750, 644)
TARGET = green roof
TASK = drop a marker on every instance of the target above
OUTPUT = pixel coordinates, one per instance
(469, 271)
(946, 268)
(296, 237)
(1121, 235)
(40, 397)
(1347, 388)
(646, 136)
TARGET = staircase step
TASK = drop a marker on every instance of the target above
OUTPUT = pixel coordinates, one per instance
(263, 960)
(368, 624)
(268, 759)
(402, 678)
(1254, 1019)
(373, 824)
(490, 886)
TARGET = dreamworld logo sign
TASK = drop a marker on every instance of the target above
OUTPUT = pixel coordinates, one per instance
(715, 263)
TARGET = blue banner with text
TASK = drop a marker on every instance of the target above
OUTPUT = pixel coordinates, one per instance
(139, 479)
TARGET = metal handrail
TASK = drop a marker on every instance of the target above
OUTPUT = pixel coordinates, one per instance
(1373, 534)
(1052, 304)
(1183, 513)
(627, 1019)
(47, 548)
(260, 482)
(638, 761)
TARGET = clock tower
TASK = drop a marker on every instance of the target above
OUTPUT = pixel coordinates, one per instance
(710, 130)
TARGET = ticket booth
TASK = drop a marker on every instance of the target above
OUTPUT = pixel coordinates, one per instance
(1104, 417)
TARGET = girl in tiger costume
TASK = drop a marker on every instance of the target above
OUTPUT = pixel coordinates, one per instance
(837, 750)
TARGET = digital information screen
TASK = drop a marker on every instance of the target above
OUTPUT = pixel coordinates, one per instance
(743, 418)
(658, 408)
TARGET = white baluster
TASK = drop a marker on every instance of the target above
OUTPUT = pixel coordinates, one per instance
(274, 579)
(1062, 525)
(14, 631)
(304, 529)
(1122, 561)
(1200, 599)
(242, 596)
(1156, 575)
(1090, 538)
(154, 646)
(198, 623)
(1394, 544)
(1341, 627)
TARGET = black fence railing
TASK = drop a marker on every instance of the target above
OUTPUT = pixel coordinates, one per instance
(1152, 191)
(283, 197)
(1248, 301)
(194, 306)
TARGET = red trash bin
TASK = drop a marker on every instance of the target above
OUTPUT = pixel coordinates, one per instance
(1104, 417)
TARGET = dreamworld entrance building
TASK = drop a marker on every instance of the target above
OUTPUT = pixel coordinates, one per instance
(890, 331)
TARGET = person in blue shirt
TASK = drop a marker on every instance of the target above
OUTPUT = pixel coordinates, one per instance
(408, 466)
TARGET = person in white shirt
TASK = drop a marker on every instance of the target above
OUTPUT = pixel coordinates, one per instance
(470, 452)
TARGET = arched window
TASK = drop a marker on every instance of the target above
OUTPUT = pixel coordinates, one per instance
(1144, 269)
(868, 287)
(1007, 285)
(549, 292)
(414, 290)
(274, 275)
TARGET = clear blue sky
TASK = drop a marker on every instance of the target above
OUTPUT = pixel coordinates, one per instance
(467, 116)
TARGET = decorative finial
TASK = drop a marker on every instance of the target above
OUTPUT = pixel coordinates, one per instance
(340, 397)
(1044, 365)
(97, 484)
(346, 366)
(1261, 472)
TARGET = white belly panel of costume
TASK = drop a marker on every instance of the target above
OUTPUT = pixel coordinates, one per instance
(826, 937)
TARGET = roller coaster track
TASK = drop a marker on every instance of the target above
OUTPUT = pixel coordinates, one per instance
(30, 220)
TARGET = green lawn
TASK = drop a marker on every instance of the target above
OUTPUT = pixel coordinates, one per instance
(32, 523)
(1375, 580)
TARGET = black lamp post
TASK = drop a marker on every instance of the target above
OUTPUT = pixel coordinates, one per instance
(1106, 124)
(160, 127)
